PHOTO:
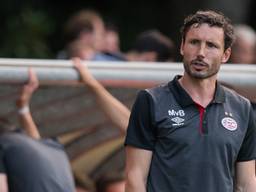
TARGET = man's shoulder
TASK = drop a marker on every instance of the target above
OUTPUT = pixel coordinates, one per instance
(21, 140)
(232, 95)
(9, 136)
(237, 101)
(12, 139)
(158, 91)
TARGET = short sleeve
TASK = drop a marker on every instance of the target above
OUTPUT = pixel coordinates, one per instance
(140, 132)
(248, 149)
(2, 166)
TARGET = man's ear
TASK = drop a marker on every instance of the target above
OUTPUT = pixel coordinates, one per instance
(181, 47)
(226, 55)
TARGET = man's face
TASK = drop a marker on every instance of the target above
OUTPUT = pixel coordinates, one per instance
(111, 42)
(203, 51)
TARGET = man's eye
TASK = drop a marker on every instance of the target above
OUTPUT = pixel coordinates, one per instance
(193, 42)
(211, 45)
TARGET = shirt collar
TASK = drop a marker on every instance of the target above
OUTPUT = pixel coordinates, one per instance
(184, 99)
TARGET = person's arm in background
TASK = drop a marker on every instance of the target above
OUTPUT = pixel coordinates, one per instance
(245, 176)
(137, 167)
(117, 112)
(26, 120)
(3, 183)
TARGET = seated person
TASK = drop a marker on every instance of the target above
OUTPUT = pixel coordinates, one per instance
(29, 163)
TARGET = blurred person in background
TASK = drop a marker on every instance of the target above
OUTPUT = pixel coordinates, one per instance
(84, 31)
(152, 46)
(81, 50)
(90, 39)
(29, 163)
(112, 39)
(111, 44)
(244, 48)
(86, 38)
(117, 112)
(83, 17)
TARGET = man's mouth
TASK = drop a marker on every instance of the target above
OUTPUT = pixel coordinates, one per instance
(199, 65)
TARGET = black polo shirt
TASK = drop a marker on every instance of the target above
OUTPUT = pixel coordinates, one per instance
(190, 155)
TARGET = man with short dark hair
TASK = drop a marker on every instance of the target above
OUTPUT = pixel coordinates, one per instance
(152, 46)
(192, 134)
(29, 163)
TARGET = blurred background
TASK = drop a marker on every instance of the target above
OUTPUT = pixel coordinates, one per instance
(35, 28)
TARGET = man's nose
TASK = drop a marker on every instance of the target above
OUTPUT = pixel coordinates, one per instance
(201, 50)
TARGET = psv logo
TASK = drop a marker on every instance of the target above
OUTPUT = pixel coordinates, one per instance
(229, 123)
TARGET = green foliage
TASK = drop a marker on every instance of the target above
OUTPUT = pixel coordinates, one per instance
(26, 35)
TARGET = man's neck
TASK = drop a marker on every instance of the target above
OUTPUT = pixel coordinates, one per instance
(200, 90)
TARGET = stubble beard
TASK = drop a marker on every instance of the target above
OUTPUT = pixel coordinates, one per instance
(199, 74)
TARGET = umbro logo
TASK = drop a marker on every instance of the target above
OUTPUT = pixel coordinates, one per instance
(177, 121)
